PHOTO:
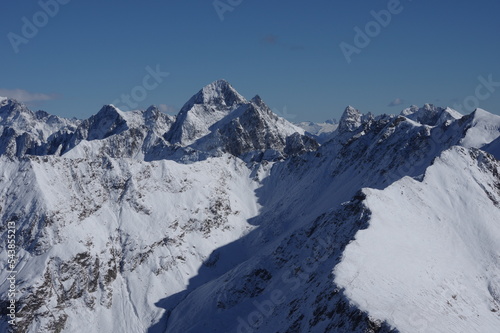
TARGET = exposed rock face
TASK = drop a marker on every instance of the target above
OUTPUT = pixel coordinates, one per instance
(297, 144)
(350, 120)
(209, 105)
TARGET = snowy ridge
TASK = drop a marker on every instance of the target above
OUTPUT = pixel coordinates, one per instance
(228, 218)
(434, 256)
(118, 133)
(431, 115)
(484, 127)
(209, 124)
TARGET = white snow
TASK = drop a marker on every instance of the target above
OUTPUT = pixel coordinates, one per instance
(454, 113)
(214, 91)
(430, 259)
(159, 199)
(484, 129)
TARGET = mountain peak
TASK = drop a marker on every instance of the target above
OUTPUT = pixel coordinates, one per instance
(109, 109)
(350, 120)
(411, 110)
(481, 113)
(11, 109)
(10, 101)
(430, 114)
(219, 93)
(152, 109)
(108, 121)
(220, 82)
(257, 100)
(212, 103)
(430, 107)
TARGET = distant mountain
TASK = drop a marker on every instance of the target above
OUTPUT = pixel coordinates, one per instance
(23, 131)
(319, 131)
(228, 218)
(431, 115)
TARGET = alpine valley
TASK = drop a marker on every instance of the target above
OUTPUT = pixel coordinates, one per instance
(228, 218)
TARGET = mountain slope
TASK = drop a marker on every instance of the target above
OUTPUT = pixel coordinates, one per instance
(230, 218)
(302, 235)
(430, 259)
(482, 128)
(94, 239)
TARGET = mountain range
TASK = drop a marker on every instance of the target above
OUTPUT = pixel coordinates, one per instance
(229, 218)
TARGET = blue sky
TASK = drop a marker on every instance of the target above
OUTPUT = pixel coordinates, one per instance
(92, 52)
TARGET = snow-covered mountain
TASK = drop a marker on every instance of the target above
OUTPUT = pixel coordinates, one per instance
(228, 218)
(208, 106)
(319, 131)
(24, 131)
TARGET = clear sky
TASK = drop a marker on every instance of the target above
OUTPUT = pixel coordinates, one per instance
(85, 54)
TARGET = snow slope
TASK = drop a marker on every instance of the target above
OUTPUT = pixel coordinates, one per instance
(430, 259)
(484, 128)
(311, 212)
(113, 240)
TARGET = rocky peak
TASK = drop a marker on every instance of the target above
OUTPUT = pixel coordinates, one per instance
(208, 106)
(430, 115)
(350, 120)
(11, 110)
(154, 118)
(108, 121)
(258, 101)
(219, 93)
